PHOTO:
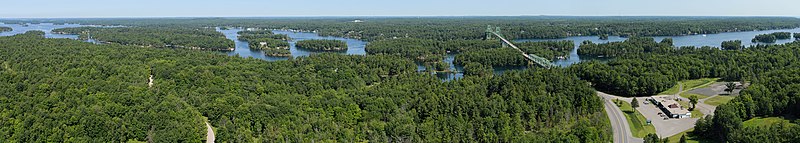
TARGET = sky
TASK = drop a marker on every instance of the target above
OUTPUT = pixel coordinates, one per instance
(301, 8)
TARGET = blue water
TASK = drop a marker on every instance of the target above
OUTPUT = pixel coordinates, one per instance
(714, 40)
(355, 47)
(46, 27)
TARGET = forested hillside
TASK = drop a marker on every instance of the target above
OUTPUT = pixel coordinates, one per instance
(59, 90)
(160, 37)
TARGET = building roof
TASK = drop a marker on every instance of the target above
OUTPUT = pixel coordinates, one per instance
(674, 107)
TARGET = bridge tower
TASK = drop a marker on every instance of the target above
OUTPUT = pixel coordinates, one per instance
(489, 30)
(497, 30)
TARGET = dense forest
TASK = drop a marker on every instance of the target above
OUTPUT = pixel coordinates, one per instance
(630, 45)
(644, 74)
(5, 29)
(797, 36)
(548, 49)
(266, 41)
(322, 45)
(160, 37)
(427, 50)
(496, 57)
(60, 90)
(732, 45)
(470, 28)
(772, 37)
(248, 35)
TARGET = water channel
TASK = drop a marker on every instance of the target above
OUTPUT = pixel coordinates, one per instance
(356, 47)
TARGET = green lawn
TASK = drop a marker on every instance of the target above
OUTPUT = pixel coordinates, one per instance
(689, 85)
(698, 83)
(695, 113)
(689, 137)
(639, 126)
(699, 96)
(718, 100)
(671, 91)
(762, 122)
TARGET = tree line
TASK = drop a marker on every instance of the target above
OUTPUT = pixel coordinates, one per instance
(771, 37)
(772, 94)
(644, 74)
(629, 46)
(247, 35)
(322, 45)
(160, 37)
(472, 28)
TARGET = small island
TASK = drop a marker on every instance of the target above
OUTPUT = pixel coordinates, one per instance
(270, 43)
(5, 29)
(772, 37)
(322, 45)
(271, 47)
(603, 36)
(797, 36)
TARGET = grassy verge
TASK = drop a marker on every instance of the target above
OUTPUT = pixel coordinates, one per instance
(689, 85)
(699, 96)
(718, 100)
(695, 113)
(689, 137)
(698, 83)
(764, 122)
(639, 126)
(671, 91)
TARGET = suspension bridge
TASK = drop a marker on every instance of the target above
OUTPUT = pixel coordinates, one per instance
(491, 33)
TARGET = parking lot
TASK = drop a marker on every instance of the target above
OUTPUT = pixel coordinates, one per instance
(664, 128)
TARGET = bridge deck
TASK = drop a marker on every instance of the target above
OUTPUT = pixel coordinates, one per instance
(536, 59)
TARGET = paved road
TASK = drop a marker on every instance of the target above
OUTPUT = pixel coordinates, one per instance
(619, 124)
(704, 108)
(209, 133)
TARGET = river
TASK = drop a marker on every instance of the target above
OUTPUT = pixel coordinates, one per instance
(46, 27)
(356, 47)
(714, 40)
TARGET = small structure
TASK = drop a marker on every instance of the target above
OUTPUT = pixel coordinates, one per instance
(671, 108)
(358, 21)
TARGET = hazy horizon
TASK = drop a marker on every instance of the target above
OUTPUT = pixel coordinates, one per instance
(410, 8)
